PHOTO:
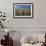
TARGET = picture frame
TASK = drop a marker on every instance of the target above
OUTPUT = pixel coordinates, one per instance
(22, 10)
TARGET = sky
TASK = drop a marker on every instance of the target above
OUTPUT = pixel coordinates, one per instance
(23, 6)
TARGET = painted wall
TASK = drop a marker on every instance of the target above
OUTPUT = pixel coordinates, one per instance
(37, 23)
(39, 13)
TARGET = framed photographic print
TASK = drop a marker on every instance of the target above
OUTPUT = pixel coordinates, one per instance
(22, 9)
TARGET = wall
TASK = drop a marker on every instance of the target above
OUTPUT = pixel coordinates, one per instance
(39, 13)
(37, 23)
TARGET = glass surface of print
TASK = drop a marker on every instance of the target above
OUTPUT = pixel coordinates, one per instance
(22, 10)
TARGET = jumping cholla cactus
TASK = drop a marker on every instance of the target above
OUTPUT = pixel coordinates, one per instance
(2, 18)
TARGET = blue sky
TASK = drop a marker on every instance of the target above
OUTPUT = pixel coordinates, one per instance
(23, 6)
